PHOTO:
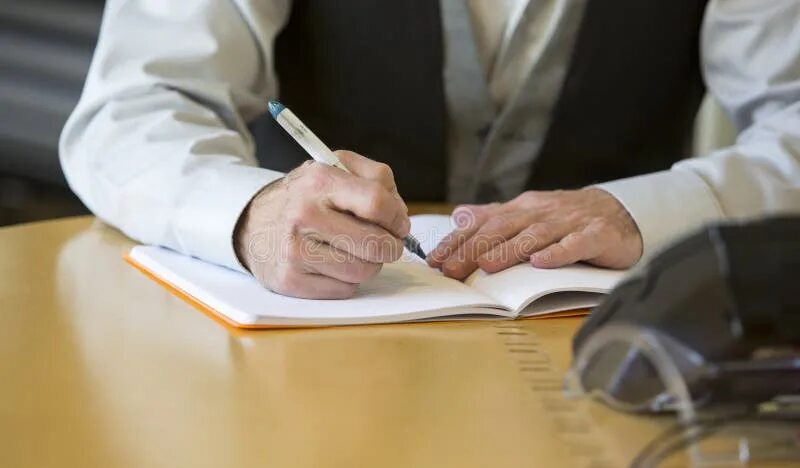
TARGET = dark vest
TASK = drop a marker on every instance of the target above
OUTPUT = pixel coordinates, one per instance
(366, 75)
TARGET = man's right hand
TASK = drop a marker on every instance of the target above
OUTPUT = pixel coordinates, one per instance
(320, 232)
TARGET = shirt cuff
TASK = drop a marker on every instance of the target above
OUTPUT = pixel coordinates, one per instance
(665, 205)
(212, 208)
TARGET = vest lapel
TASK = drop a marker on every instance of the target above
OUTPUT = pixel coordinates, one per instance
(470, 107)
(517, 133)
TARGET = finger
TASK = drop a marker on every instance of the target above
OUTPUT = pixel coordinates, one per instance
(296, 283)
(367, 168)
(467, 219)
(369, 200)
(520, 248)
(573, 248)
(321, 258)
(495, 231)
(353, 236)
(373, 170)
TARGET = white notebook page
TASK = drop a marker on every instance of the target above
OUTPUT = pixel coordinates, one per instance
(520, 285)
(405, 290)
(429, 230)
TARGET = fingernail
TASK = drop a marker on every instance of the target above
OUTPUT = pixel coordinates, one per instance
(540, 258)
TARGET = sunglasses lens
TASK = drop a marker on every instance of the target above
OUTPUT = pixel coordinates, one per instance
(623, 375)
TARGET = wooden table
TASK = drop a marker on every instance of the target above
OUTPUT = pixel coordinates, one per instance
(101, 367)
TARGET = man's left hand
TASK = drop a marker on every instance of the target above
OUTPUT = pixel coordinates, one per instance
(547, 229)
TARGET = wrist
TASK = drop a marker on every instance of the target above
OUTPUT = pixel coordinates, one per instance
(245, 225)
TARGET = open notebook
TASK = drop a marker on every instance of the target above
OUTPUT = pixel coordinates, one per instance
(407, 290)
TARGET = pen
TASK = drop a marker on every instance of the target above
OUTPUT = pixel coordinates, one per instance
(321, 153)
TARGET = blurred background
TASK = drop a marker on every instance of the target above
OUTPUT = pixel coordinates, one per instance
(45, 50)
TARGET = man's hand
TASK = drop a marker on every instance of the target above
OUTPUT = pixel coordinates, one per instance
(549, 229)
(319, 232)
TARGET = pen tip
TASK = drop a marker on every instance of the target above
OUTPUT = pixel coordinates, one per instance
(413, 246)
(275, 108)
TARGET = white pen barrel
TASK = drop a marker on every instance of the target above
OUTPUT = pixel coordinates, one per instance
(306, 138)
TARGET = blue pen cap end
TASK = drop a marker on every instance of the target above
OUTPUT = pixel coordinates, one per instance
(275, 108)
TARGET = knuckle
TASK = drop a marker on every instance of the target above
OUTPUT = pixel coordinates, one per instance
(490, 226)
(582, 237)
(464, 217)
(384, 171)
(603, 224)
(376, 201)
(564, 255)
(316, 177)
(570, 245)
(497, 230)
(498, 224)
(526, 241)
(300, 216)
(541, 232)
(526, 197)
(346, 157)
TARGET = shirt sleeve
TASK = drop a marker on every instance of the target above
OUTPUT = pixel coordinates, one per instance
(751, 62)
(158, 145)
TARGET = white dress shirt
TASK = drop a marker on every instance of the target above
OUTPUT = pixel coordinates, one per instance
(158, 144)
